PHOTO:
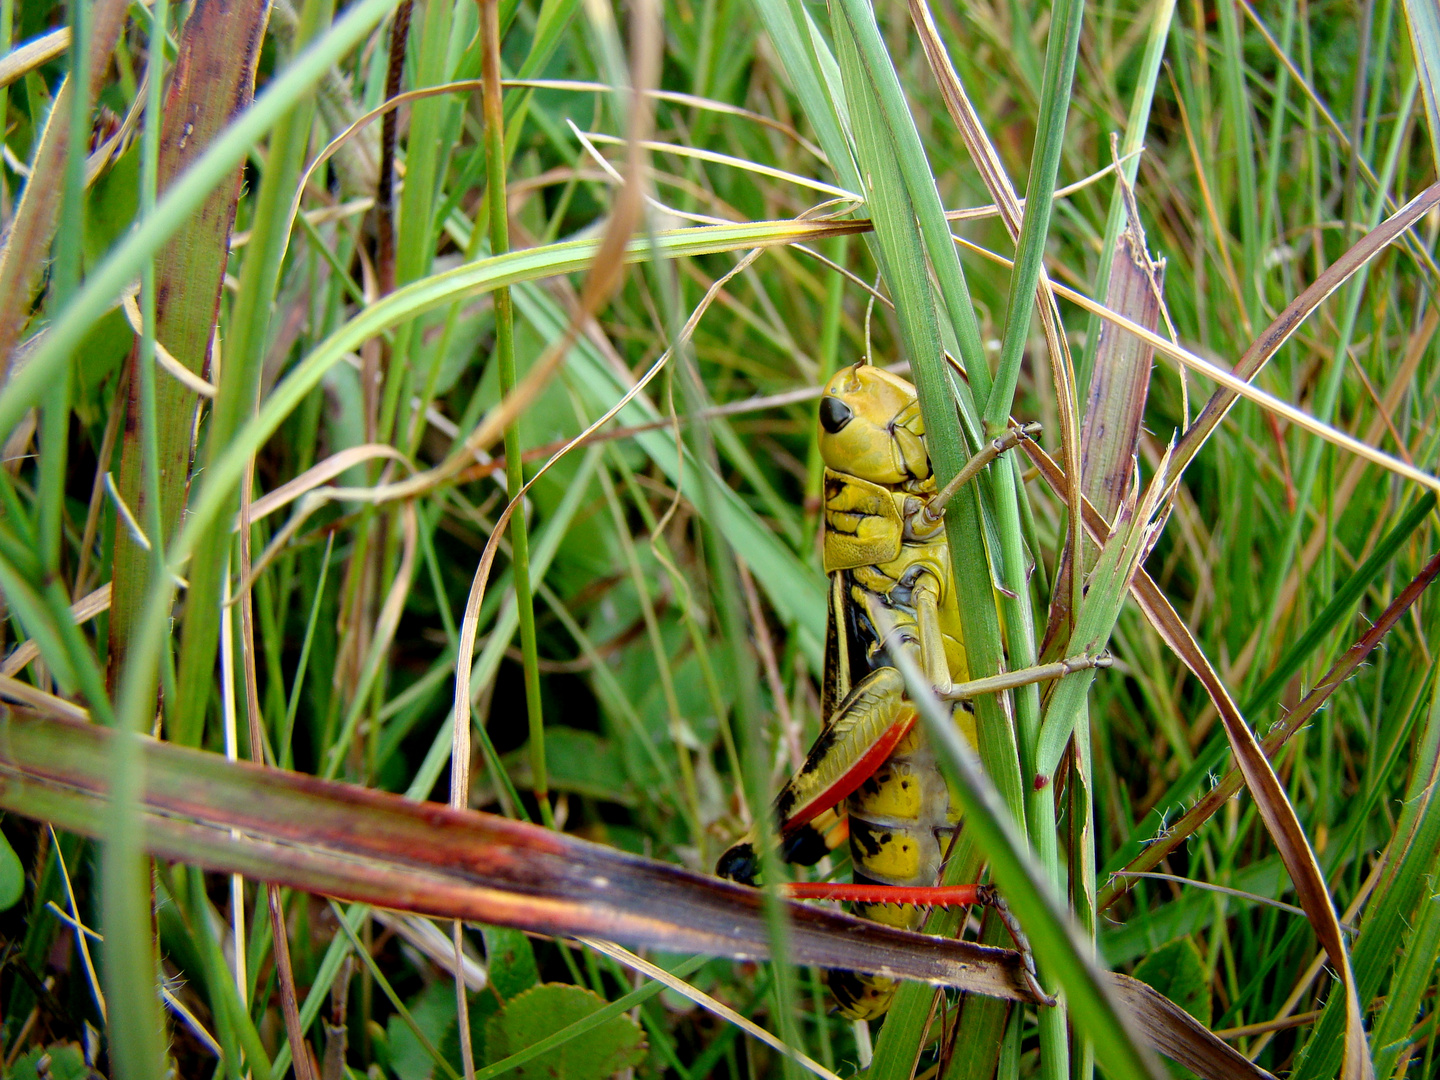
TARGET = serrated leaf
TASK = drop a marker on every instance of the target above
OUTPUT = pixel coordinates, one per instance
(542, 1010)
(511, 961)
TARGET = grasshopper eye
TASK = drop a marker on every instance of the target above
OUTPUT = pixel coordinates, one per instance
(834, 414)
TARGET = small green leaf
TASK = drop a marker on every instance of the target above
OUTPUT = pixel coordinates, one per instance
(1177, 971)
(580, 762)
(542, 1010)
(61, 1061)
(433, 1009)
(12, 876)
(511, 961)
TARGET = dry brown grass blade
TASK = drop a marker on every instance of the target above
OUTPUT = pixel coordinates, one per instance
(1296, 312)
(1110, 431)
(20, 61)
(375, 847)
(22, 259)
(321, 473)
(83, 610)
(1279, 818)
(1217, 796)
(1231, 382)
(12, 689)
(1178, 1035)
(1265, 787)
(1115, 405)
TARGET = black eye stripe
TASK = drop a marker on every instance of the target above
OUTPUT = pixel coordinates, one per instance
(834, 414)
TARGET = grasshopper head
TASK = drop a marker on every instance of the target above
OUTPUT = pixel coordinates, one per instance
(870, 427)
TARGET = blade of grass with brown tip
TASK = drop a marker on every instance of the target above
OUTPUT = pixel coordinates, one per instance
(357, 843)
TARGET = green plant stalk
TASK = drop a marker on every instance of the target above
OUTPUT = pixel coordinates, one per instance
(731, 616)
(64, 278)
(1080, 794)
(220, 986)
(415, 242)
(876, 73)
(1276, 161)
(1424, 25)
(688, 788)
(900, 185)
(1066, 19)
(1021, 651)
(238, 384)
(145, 368)
(1413, 977)
(1243, 194)
(131, 966)
(495, 169)
(894, 216)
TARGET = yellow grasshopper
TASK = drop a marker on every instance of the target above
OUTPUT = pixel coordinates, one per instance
(891, 587)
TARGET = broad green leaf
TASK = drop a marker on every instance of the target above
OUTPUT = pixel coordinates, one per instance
(616, 1044)
(510, 960)
(1177, 971)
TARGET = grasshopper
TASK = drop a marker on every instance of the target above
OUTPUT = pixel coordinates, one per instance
(891, 587)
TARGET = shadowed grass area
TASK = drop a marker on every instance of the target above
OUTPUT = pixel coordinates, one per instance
(606, 265)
